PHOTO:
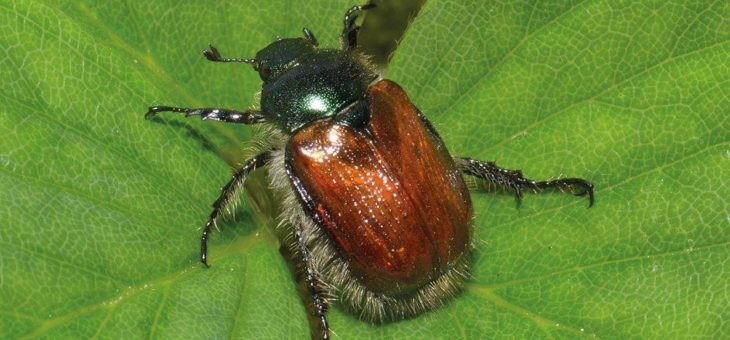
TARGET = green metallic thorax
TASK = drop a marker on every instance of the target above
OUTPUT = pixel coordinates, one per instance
(303, 84)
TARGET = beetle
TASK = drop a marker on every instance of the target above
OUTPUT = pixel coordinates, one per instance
(374, 206)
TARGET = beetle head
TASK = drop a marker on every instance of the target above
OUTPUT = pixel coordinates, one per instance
(280, 55)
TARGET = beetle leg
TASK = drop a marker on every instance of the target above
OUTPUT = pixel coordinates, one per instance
(514, 179)
(208, 113)
(227, 193)
(320, 304)
(349, 34)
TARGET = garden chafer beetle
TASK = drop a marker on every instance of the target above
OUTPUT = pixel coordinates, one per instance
(375, 207)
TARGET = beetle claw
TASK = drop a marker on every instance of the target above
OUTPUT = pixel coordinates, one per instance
(154, 110)
(585, 187)
(150, 113)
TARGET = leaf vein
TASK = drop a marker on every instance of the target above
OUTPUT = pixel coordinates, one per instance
(150, 63)
(690, 25)
(107, 146)
(541, 322)
(117, 207)
(241, 301)
(158, 312)
(104, 322)
(684, 251)
(58, 260)
(593, 96)
(489, 72)
(164, 280)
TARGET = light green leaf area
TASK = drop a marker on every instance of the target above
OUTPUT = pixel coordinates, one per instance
(101, 209)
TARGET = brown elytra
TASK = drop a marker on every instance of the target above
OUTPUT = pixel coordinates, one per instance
(389, 196)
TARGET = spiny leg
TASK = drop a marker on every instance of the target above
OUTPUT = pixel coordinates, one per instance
(320, 303)
(227, 193)
(514, 179)
(349, 33)
(210, 113)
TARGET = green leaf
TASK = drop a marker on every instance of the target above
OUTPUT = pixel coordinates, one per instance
(102, 209)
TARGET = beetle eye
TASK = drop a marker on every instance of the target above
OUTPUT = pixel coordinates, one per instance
(264, 71)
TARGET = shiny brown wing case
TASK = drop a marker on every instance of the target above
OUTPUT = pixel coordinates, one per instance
(389, 195)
